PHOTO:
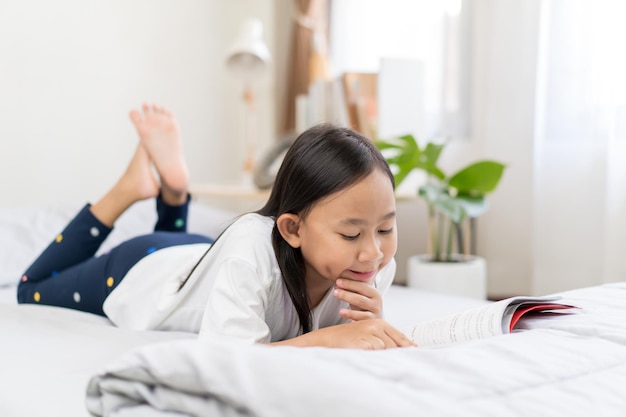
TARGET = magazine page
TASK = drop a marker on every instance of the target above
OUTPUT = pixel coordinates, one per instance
(492, 319)
(480, 322)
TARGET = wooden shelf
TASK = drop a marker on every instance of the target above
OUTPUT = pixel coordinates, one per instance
(240, 191)
(249, 192)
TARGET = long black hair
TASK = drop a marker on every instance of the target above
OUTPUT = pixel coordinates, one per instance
(323, 160)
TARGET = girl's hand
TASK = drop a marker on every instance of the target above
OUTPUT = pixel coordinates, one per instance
(366, 334)
(369, 334)
(365, 300)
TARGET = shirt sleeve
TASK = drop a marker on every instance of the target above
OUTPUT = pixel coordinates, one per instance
(385, 277)
(236, 304)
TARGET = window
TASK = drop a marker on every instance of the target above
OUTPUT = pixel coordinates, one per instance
(432, 34)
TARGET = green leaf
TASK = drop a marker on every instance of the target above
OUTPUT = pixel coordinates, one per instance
(449, 198)
(404, 159)
(430, 193)
(473, 206)
(408, 156)
(429, 158)
(384, 145)
(452, 208)
(478, 179)
(438, 198)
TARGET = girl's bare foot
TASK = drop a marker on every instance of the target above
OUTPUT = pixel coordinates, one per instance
(160, 137)
(136, 183)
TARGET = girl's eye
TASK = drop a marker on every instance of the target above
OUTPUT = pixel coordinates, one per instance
(349, 237)
(385, 231)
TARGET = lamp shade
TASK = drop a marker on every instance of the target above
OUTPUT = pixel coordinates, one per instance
(248, 57)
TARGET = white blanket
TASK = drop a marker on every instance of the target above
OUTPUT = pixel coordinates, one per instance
(571, 365)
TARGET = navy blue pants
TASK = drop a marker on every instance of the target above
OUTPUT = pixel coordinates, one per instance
(68, 274)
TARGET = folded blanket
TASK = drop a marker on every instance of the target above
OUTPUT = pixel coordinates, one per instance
(228, 379)
(167, 377)
(572, 365)
(531, 373)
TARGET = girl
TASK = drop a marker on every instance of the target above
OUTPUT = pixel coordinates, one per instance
(305, 270)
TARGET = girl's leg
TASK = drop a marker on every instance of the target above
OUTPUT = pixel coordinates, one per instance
(137, 183)
(85, 233)
(159, 135)
(72, 278)
(79, 241)
(82, 237)
(171, 218)
(86, 285)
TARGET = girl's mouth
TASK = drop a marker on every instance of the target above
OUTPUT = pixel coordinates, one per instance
(361, 276)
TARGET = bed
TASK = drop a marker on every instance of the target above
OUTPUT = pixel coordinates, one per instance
(58, 362)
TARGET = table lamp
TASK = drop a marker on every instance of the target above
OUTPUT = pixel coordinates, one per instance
(248, 58)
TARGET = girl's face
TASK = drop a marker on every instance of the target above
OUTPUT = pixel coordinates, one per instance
(350, 234)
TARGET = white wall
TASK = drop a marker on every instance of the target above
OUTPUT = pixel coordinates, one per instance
(503, 54)
(503, 101)
(70, 70)
(504, 57)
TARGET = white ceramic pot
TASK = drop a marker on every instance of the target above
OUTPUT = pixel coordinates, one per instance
(466, 278)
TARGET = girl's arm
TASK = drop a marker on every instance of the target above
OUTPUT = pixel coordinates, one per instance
(367, 334)
(365, 300)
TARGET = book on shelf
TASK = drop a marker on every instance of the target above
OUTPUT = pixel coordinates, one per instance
(493, 319)
(348, 100)
(324, 102)
(360, 92)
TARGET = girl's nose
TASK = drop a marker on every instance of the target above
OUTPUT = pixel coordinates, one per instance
(370, 251)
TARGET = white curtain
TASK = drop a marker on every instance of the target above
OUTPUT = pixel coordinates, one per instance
(437, 36)
(548, 97)
(579, 208)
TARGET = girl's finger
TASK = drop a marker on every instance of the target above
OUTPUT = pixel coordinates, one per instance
(399, 338)
(356, 315)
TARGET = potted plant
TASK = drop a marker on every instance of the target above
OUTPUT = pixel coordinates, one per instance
(454, 202)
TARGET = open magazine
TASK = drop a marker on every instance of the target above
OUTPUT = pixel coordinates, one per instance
(493, 319)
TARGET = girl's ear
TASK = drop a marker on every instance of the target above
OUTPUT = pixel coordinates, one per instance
(289, 225)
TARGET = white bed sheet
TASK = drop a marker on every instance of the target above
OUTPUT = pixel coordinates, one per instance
(7, 294)
(48, 354)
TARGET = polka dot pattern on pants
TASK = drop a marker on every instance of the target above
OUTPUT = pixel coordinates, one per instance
(77, 297)
(94, 232)
(59, 238)
(179, 223)
(37, 297)
(110, 282)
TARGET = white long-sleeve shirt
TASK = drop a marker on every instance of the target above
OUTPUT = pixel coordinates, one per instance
(236, 291)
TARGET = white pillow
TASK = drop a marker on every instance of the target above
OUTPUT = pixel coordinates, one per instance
(26, 231)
